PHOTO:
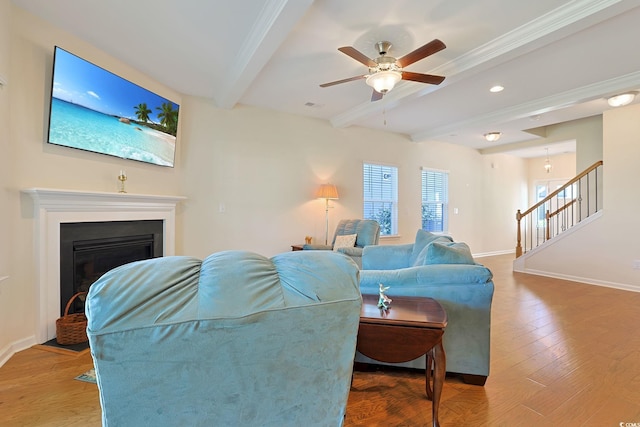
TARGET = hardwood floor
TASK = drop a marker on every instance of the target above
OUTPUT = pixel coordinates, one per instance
(562, 354)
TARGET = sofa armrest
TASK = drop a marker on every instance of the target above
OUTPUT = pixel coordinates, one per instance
(386, 257)
(317, 247)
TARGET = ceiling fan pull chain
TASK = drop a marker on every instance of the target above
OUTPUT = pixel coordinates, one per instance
(384, 111)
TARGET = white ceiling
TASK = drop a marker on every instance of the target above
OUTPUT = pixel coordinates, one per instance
(558, 60)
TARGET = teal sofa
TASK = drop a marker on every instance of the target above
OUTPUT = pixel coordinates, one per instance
(435, 266)
(234, 340)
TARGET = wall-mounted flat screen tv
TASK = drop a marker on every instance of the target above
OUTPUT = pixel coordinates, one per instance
(95, 110)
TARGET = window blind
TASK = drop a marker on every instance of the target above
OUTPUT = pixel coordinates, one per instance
(435, 194)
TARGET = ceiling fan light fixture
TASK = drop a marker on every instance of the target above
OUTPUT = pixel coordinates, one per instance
(622, 99)
(492, 136)
(384, 81)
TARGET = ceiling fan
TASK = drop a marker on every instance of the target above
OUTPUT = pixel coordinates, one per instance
(385, 71)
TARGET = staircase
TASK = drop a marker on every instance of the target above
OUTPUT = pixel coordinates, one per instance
(566, 207)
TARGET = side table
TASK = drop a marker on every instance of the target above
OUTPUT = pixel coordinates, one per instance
(409, 328)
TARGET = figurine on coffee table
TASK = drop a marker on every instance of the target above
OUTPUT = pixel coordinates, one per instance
(383, 301)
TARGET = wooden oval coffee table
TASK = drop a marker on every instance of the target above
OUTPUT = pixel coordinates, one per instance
(411, 327)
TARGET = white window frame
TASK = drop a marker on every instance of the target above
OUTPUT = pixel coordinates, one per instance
(440, 202)
(385, 199)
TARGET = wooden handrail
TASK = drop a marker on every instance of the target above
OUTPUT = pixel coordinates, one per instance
(563, 207)
(548, 216)
(559, 190)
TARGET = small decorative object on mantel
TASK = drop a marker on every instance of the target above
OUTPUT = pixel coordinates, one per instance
(122, 178)
(384, 301)
(307, 240)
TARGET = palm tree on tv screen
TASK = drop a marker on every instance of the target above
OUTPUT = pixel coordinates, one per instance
(168, 117)
(142, 112)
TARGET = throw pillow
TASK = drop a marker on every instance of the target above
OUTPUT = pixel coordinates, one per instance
(448, 253)
(344, 241)
(423, 238)
(422, 256)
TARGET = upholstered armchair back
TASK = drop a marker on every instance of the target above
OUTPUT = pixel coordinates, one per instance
(367, 231)
(235, 340)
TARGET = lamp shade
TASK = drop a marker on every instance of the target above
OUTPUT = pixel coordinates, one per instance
(384, 81)
(327, 191)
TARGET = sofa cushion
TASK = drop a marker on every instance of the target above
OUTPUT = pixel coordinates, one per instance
(345, 241)
(423, 238)
(448, 253)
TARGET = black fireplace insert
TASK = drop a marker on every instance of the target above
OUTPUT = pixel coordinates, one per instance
(90, 249)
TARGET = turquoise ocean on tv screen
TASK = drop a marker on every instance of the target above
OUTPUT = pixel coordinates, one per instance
(79, 127)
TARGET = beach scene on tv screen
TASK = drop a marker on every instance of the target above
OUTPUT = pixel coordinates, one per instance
(95, 110)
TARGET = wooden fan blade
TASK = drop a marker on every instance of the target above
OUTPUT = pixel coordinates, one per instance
(357, 55)
(376, 96)
(422, 78)
(337, 82)
(422, 52)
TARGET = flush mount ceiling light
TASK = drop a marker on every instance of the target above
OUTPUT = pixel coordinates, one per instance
(622, 99)
(496, 88)
(492, 136)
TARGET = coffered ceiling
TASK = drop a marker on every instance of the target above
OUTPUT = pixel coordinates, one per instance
(557, 60)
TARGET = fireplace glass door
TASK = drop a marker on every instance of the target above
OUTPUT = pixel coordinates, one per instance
(90, 249)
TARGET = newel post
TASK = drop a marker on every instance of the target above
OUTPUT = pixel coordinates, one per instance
(518, 245)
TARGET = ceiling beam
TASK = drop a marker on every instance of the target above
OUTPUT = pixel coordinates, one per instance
(276, 20)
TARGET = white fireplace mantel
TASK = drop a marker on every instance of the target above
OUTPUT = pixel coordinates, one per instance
(53, 207)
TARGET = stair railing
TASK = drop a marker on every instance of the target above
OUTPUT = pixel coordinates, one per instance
(575, 201)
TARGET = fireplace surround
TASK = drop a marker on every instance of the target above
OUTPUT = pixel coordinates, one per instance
(53, 207)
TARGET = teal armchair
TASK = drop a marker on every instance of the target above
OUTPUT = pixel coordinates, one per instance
(234, 340)
(367, 233)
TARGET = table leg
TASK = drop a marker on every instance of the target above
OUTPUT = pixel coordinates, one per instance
(440, 368)
(429, 374)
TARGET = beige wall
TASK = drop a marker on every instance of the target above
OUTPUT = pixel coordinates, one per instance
(264, 167)
(8, 286)
(588, 135)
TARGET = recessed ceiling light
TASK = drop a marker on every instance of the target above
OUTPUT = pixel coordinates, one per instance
(496, 88)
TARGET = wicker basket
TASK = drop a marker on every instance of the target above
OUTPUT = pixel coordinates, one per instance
(71, 328)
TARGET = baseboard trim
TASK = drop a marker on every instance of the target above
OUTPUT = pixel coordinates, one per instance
(585, 280)
(494, 253)
(14, 347)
